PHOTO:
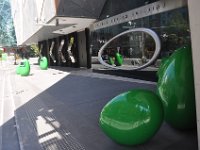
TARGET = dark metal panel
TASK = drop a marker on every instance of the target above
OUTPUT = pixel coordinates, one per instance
(80, 8)
(57, 53)
(43, 52)
(47, 49)
(87, 35)
(64, 51)
(82, 49)
(74, 49)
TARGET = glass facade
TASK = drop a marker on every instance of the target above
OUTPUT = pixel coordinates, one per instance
(7, 32)
(172, 27)
(114, 7)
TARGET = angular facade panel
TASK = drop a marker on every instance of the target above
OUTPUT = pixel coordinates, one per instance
(114, 7)
(80, 8)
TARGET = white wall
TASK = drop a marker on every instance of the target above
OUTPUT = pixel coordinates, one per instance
(25, 13)
(194, 11)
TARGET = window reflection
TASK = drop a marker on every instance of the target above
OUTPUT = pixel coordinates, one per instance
(172, 27)
(114, 7)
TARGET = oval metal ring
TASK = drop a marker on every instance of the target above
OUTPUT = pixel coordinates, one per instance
(145, 30)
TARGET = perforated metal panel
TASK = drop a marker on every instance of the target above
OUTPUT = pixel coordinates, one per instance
(51, 135)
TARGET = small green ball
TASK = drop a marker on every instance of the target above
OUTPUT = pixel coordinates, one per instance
(24, 68)
(43, 63)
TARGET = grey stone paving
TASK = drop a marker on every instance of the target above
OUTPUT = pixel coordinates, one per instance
(59, 109)
(8, 132)
(71, 106)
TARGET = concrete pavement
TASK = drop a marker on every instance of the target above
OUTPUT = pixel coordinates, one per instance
(59, 108)
(8, 132)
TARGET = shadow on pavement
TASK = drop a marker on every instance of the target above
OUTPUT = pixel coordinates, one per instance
(65, 116)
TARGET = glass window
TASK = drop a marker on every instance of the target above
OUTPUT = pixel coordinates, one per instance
(172, 27)
(114, 7)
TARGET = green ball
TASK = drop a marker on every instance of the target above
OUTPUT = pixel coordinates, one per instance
(24, 68)
(18, 70)
(43, 63)
(132, 117)
(176, 89)
(111, 61)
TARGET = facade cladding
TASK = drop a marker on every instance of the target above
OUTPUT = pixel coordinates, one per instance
(80, 8)
(7, 32)
(172, 27)
(114, 7)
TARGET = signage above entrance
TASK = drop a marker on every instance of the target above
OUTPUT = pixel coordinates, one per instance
(144, 11)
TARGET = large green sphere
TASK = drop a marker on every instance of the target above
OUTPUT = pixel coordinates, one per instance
(163, 65)
(43, 63)
(176, 89)
(132, 117)
(24, 68)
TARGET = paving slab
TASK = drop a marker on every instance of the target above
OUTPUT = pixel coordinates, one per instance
(60, 109)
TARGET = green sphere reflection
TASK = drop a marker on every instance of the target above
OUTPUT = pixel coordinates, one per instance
(132, 117)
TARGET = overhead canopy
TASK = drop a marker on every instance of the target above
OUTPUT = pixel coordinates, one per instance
(71, 16)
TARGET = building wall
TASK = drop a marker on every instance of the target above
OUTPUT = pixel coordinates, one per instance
(168, 19)
(7, 34)
(80, 8)
(115, 7)
(194, 12)
(27, 13)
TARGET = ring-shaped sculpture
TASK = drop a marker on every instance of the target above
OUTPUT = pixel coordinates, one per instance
(145, 30)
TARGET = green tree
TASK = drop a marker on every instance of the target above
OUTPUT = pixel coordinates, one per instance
(35, 50)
